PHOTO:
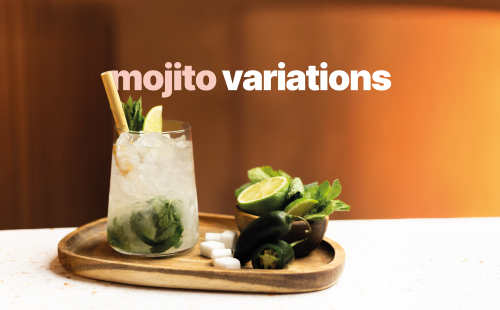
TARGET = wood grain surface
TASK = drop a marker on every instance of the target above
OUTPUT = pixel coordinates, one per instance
(86, 252)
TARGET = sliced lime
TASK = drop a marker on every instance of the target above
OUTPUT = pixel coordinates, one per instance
(265, 196)
(153, 121)
(301, 206)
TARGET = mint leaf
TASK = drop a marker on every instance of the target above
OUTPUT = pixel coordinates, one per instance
(286, 175)
(142, 227)
(296, 187)
(311, 191)
(170, 242)
(335, 191)
(138, 118)
(321, 196)
(163, 233)
(168, 229)
(270, 172)
(256, 175)
(323, 191)
(178, 244)
(310, 185)
(240, 189)
(340, 206)
(329, 208)
(164, 223)
(117, 237)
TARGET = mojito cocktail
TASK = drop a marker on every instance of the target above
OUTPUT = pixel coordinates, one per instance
(153, 208)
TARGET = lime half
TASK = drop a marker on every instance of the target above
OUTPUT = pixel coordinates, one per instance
(301, 206)
(265, 196)
(153, 121)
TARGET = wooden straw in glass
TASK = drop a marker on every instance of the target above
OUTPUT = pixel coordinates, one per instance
(114, 100)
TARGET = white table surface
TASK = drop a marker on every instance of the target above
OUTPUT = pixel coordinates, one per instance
(390, 264)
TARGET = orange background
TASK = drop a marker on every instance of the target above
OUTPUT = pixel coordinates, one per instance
(428, 147)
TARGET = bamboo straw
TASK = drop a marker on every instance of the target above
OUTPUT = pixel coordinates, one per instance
(114, 100)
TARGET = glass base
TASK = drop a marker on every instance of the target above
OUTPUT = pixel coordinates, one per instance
(159, 255)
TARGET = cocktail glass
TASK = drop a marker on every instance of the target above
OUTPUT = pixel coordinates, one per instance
(153, 208)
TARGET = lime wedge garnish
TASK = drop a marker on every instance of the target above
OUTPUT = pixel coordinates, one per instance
(265, 196)
(301, 206)
(154, 120)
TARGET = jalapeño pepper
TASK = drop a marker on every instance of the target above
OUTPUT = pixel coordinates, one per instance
(268, 227)
(276, 254)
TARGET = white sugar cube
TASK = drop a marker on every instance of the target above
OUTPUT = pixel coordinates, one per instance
(228, 238)
(207, 247)
(227, 263)
(218, 253)
(212, 237)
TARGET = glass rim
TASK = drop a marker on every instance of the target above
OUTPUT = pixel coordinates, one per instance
(188, 128)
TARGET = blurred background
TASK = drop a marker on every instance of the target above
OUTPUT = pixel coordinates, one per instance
(427, 147)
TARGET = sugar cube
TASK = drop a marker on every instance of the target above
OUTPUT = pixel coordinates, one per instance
(207, 247)
(212, 237)
(227, 263)
(218, 253)
(228, 238)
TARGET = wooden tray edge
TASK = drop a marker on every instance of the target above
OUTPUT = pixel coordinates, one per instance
(330, 273)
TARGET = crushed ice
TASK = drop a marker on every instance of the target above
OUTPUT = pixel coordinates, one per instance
(124, 139)
(152, 140)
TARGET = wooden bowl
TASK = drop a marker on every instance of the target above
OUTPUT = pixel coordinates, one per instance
(296, 233)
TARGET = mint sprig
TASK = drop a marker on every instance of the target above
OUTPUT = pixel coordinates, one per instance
(326, 196)
(133, 114)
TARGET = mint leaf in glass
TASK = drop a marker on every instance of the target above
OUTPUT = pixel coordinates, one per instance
(170, 242)
(117, 237)
(157, 224)
(143, 227)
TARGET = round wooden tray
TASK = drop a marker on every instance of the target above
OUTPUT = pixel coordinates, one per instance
(86, 252)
